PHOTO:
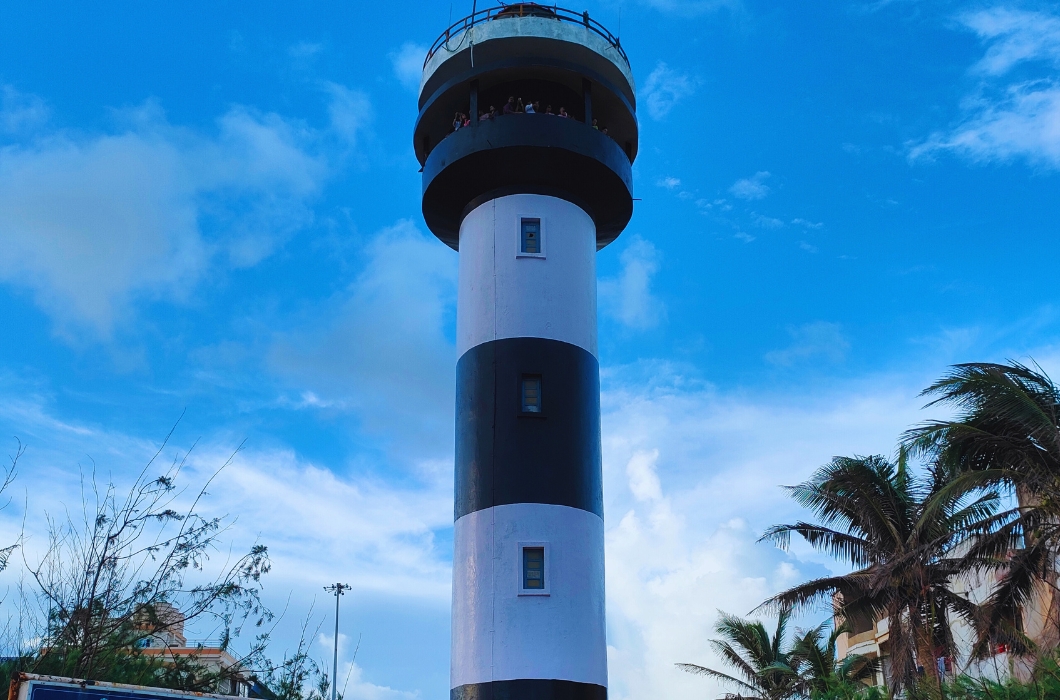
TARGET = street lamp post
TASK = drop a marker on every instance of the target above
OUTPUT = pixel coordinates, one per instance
(337, 589)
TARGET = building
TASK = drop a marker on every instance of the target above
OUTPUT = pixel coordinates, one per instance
(170, 643)
(527, 197)
(871, 638)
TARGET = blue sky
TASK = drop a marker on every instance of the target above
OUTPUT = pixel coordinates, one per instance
(213, 210)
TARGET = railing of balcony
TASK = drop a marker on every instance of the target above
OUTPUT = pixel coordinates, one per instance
(524, 9)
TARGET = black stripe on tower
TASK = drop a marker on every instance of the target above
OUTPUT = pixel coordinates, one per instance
(505, 455)
(529, 689)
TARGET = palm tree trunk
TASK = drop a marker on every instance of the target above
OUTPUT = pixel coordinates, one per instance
(924, 638)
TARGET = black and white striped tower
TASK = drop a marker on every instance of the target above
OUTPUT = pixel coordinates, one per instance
(527, 199)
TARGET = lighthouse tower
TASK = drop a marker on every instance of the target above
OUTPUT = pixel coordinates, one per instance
(527, 198)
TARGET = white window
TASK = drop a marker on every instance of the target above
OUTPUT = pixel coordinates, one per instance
(531, 238)
(534, 568)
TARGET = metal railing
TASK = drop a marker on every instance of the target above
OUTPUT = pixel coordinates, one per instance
(524, 9)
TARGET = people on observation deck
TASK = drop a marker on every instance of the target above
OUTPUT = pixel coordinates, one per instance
(518, 105)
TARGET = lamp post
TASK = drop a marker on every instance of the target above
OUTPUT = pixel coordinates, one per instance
(337, 589)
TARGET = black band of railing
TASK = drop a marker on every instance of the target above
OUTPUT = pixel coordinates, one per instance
(524, 10)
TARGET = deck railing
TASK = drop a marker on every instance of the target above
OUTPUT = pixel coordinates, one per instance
(525, 9)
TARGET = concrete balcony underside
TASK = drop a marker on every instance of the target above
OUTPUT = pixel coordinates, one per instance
(527, 153)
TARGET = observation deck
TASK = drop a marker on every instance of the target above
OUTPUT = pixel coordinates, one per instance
(557, 58)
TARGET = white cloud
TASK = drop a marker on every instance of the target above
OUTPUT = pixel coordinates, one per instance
(808, 247)
(1008, 118)
(665, 88)
(807, 224)
(1015, 36)
(692, 479)
(763, 221)
(387, 533)
(91, 223)
(753, 187)
(350, 112)
(1023, 122)
(20, 112)
(643, 477)
(317, 523)
(407, 63)
(389, 539)
(817, 340)
(87, 225)
(669, 183)
(629, 298)
(353, 686)
(380, 348)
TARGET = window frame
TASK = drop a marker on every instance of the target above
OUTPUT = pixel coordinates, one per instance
(532, 592)
(523, 413)
(519, 236)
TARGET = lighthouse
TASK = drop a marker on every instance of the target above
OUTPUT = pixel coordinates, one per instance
(527, 133)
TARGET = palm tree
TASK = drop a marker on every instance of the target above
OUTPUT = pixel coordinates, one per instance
(1007, 433)
(899, 532)
(824, 675)
(762, 664)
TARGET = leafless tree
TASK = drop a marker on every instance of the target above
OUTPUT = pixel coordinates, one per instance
(113, 573)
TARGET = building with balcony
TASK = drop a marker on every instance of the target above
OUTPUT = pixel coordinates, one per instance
(169, 643)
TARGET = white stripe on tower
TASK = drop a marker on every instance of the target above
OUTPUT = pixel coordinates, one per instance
(502, 295)
(500, 635)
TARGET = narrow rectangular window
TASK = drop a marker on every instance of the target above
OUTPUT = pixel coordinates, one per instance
(530, 236)
(533, 568)
(531, 394)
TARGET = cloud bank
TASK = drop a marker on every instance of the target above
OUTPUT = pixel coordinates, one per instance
(89, 223)
(1013, 114)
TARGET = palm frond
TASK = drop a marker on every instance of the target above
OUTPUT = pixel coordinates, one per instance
(840, 545)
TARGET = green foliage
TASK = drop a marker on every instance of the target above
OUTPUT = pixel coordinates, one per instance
(849, 690)
(767, 669)
(1006, 433)
(763, 666)
(900, 531)
(822, 673)
(298, 676)
(126, 665)
(1043, 685)
(114, 575)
